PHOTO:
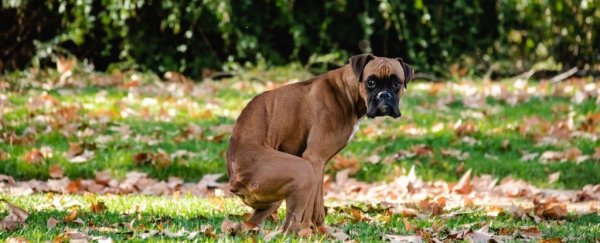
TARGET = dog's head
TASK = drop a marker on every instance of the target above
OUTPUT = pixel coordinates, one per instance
(382, 82)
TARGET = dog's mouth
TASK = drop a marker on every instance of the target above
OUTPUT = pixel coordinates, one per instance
(383, 108)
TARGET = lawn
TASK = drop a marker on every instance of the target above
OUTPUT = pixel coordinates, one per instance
(75, 124)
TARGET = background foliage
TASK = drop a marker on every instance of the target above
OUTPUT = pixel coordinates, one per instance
(187, 36)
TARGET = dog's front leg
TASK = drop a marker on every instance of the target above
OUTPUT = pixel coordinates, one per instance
(318, 154)
(315, 211)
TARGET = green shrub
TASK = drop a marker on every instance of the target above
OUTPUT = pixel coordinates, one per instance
(187, 36)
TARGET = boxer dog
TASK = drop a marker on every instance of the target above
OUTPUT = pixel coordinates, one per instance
(284, 137)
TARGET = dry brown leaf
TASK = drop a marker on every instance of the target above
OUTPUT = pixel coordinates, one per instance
(572, 154)
(407, 225)
(553, 177)
(72, 215)
(56, 172)
(51, 223)
(15, 218)
(357, 215)
(434, 207)
(15, 213)
(465, 129)
(459, 155)
(75, 236)
(341, 162)
(230, 228)
(531, 232)
(142, 158)
(550, 208)
(75, 149)
(98, 207)
(464, 184)
(34, 156)
(74, 186)
(60, 239)
(403, 238)
(16, 240)
(340, 235)
(526, 156)
(422, 150)
(551, 240)
(482, 234)
(596, 155)
(405, 212)
(103, 177)
(83, 157)
(374, 159)
(208, 231)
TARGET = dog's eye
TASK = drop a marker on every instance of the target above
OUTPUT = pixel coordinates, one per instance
(371, 83)
(396, 84)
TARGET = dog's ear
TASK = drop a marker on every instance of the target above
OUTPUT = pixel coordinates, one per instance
(358, 63)
(409, 72)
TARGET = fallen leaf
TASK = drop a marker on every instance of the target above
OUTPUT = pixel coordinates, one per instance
(148, 234)
(464, 129)
(422, 150)
(15, 218)
(142, 158)
(340, 235)
(551, 240)
(596, 155)
(74, 186)
(72, 215)
(98, 207)
(550, 208)
(79, 221)
(51, 223)
(34, 156)
(571, 154)
(84, 157)
(464, 184)
(103, 177)
(56, 172)
(345, 162)
(526, 156)
(16, 240)
(374, 159)
(208, 231)
(553, 177)
(531, 232)
(403, 238)
(407, 225)
(15, 213)
(230, 228)
(482, 234)
(549, 156)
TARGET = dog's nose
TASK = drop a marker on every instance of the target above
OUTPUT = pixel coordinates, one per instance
(384, 95)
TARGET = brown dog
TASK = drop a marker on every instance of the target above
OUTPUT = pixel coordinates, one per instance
(284, 137)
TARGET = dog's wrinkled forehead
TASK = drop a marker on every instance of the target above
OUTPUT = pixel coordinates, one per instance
(384, 67)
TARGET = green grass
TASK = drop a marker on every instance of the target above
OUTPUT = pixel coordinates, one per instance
(127, 217)
(223, 102)
(102, 111)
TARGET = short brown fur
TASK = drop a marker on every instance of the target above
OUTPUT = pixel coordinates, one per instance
(284, 137)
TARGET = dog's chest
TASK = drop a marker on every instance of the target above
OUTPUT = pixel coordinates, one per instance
(354, 130)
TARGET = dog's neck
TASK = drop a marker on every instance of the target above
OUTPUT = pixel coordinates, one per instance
(346, 82)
